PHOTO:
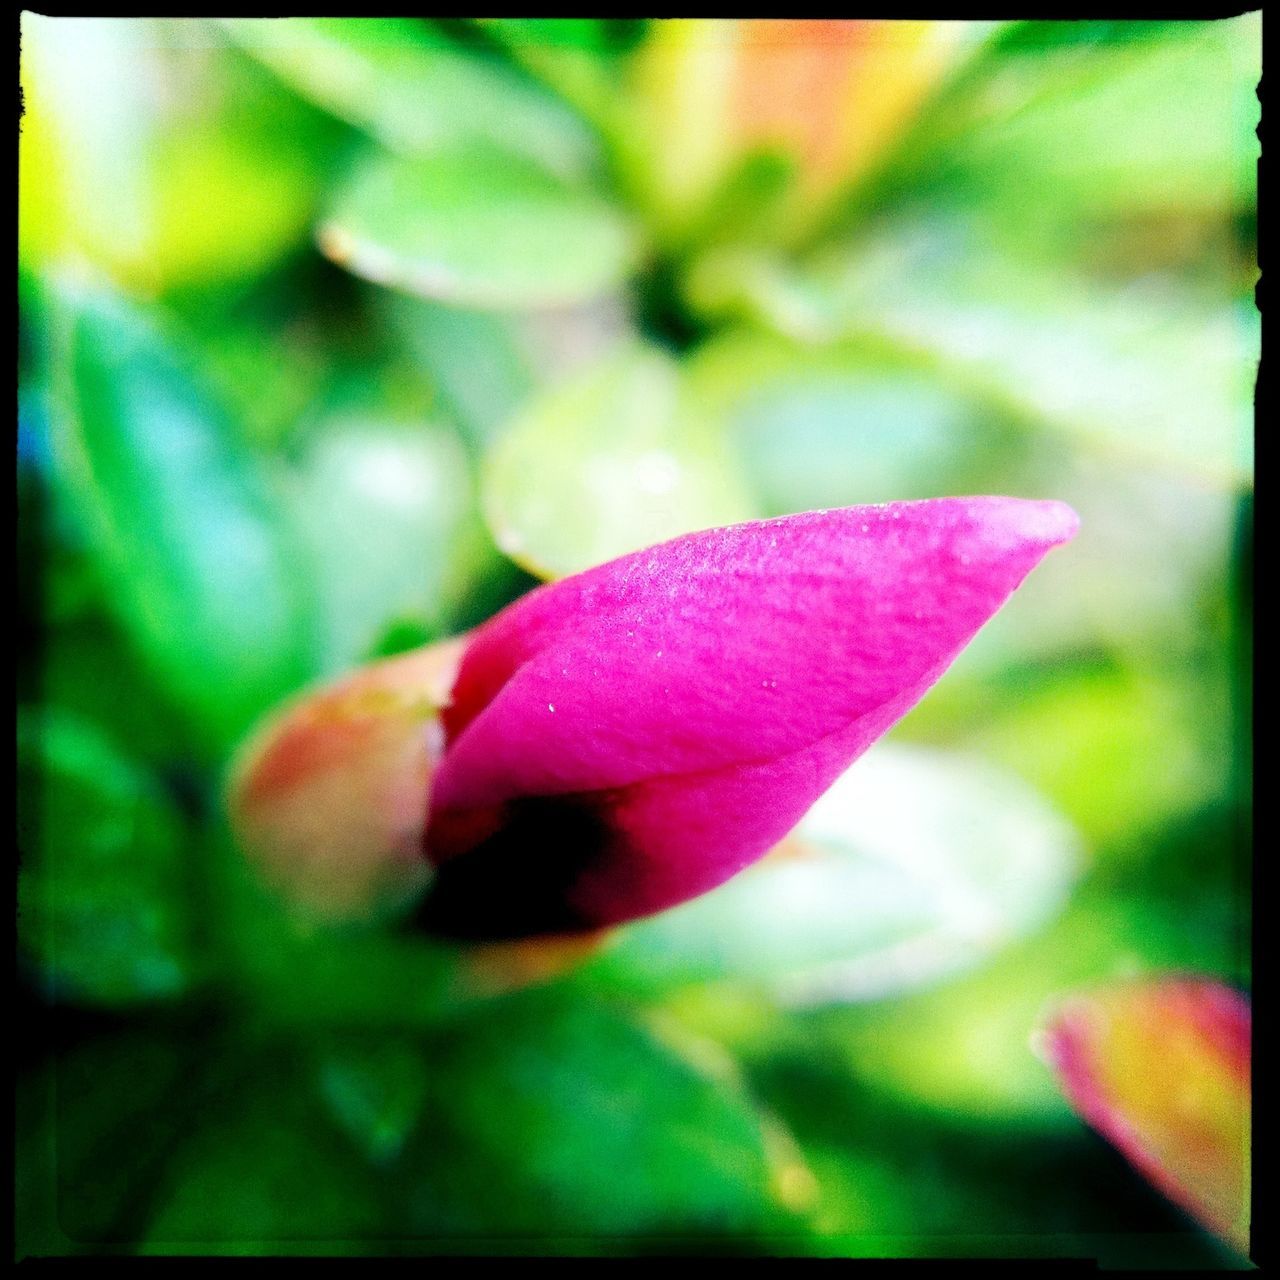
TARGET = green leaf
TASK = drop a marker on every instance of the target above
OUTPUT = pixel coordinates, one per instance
(89, 669)
(1150, 372)
(414, 91)
(99, 1123)
(1131, 750)
(831, 426)
(749, 203)
(541, 1119)
(913, 867)
(264, 1169)
(485, 364)
(479, 227)
(375, 1087)
(271, 353)
(386, 511)
(1058, 139)
(609, 461)
(577, 57)
(105, 895)
(36, 1231)
(65, 589)
(863, 437)
(618, 1135)
(180, 522)
(477, 360)
(590, 35)
(967, 1050)
(898, 1179)
(1146, 373)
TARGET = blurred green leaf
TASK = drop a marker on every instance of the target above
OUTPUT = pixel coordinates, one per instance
(356, 978)
(1149, 372)
(477, 359)
(36, 1232)
(1129, 751)
(1145, 373)
(607, 462)
(264, 1170)
(748, 204)
(270, 353)
(1059, 138)
(592, 35)
(105, 898)
(479, 227)
(88, 669)
(130, 124)
(179, 520)
(967, 1049)
(833, 426)
(577, 57)
(375, 1088)
(386, 510)
(539, 1118)
(618, 1136)
(58, 587)
(913, 867)
(101, 1121)
(895, 1179)
(415, 91)
(486, 364)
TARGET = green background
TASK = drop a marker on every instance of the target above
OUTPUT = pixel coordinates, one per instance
(334, 334)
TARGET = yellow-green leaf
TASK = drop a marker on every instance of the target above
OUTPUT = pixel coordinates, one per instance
(478, 227)
(608, 462)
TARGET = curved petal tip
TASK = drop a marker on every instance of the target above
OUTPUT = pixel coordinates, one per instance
(1048, 521)
(1041, 522)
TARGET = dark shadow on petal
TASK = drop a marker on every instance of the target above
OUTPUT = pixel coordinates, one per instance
(518, 882)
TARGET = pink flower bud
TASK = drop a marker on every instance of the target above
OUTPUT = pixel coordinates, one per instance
(630, 737)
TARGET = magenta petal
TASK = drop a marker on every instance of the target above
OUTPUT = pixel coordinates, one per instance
(632, 736)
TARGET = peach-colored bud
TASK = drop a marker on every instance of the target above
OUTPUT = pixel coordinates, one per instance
(329, 796)
(1161, 1068)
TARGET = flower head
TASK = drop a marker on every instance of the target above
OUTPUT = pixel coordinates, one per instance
(630, 737)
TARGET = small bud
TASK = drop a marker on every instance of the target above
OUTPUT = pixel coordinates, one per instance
(329, 797)
(1162, 1070)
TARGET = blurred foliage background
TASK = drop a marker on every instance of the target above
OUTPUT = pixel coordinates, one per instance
(337, 334)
